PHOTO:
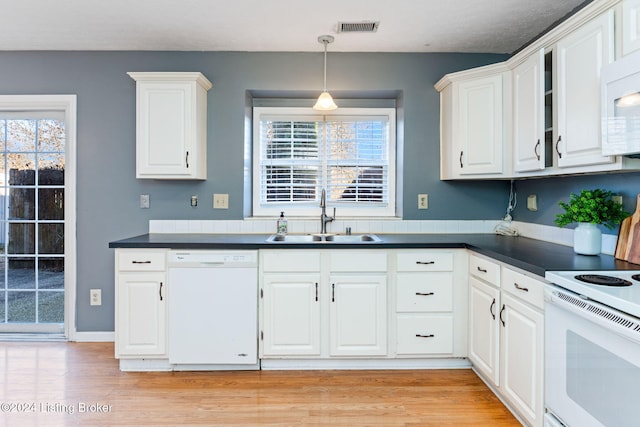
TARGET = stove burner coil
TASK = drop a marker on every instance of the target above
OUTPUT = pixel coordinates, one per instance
(598, 279)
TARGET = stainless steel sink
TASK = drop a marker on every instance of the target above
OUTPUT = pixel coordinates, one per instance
(295, 238)
(352, 238)
(324, 238)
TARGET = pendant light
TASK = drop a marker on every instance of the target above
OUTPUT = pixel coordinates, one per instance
(325, 101)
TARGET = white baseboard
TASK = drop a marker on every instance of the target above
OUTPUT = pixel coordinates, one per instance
(96, 336)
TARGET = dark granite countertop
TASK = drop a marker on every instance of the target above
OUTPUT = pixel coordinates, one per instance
(528, 254)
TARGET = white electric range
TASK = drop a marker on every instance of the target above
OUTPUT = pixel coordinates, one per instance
(592, 348)
(623, 295)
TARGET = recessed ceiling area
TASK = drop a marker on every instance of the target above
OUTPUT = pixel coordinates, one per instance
(496, 26)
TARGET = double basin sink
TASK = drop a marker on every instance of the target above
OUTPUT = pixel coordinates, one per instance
(324, 238)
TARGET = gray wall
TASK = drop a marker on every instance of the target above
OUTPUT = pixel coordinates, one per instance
(108, 192)
(550, 191)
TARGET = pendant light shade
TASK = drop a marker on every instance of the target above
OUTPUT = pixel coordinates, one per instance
(325, 101)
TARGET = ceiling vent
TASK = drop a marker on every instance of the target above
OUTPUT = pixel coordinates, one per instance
(358, 27)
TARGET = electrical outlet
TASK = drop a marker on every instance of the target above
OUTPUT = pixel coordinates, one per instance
(95, 297)
(194, 201)
(220, 201)
(617, 199)
(532, 203)
(423, 201)
(144, 201)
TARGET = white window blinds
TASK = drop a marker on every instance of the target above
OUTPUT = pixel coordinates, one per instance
(350, 154)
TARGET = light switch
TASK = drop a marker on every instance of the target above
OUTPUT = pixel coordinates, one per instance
(144, 201)
(532, 202)
(220, 201)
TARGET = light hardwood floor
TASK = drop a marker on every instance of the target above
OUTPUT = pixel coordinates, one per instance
(56, 384)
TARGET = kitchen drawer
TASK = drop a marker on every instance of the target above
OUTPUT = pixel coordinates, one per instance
(524, 287)
(485, 270)
(424, 292)
(291, 261)
(425, 261)
(345, 261)
(142, 260)
(425, 334)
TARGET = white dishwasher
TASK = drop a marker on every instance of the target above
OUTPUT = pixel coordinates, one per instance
(213, 309)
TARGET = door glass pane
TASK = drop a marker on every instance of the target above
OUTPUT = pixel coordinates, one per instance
(22, 306)
(50, 203)
(21, 238)
(51, 238)
(51, 136)
(21, 135)
(21, 273)
(21, 168)
(3, 296)
(22, 203)
(51, 169)
(51, 273)
(50, 307)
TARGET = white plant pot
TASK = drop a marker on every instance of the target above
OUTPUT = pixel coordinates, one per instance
(587, 239)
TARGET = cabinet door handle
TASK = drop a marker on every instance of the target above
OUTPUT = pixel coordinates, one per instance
(557, 150)
(140, 262)
(424, 295)
(461, 165)
(186, 159)
(425, 336)
(425, 262)
(160, 292)
(481, 270)
(502, 310)
(333, 292)
(520, 288)
(493, 304)
(536, 149)
(316, 291)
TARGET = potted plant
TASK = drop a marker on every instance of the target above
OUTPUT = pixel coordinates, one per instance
(588, 209)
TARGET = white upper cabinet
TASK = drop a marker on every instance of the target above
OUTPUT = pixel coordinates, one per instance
(629, 27)
(529, 114)
(544, 118)
(171, 125)
(480, 125)
(579, 59)
(473, 124)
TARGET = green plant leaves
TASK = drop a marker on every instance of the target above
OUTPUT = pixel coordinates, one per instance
(594, 206)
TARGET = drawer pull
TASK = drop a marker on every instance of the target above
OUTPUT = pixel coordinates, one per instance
(520, 288)
(425, 262)
(481, 270)
(422, 294)
(140, 262)
(425, 336)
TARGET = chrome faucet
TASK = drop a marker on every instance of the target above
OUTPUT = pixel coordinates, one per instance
(324, 218)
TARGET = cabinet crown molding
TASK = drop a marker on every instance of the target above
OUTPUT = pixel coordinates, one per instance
(195, 76)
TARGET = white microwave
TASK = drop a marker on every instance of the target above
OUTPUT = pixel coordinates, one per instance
(620, 104)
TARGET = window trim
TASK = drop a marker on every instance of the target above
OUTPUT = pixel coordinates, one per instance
(382, 212)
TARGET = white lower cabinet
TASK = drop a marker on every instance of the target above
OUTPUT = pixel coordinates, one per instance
(291, 313)
(358, 315)
(323, 304)
(141, 310)
(363, 304)
(506, 326)
(484, 329)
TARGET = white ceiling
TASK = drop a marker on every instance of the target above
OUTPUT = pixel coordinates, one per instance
(499, 26)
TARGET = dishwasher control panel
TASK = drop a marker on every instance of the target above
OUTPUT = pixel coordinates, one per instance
(196, 258)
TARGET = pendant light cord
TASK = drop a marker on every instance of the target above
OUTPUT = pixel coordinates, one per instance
(324, 85)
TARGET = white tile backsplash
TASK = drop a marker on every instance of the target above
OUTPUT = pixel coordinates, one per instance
(562, 236)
